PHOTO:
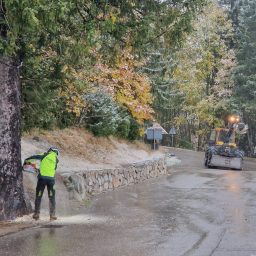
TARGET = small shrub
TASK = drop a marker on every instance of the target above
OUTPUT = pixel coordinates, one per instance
(102, 116)
(123, 128)
(134, 132)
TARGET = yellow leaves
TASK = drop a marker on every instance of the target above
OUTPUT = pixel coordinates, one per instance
(113, 18)
(100, 15)
(64, 69)
(141, 132)
(75, 87)
(73, 99)
(200, 132)
(32, 47)
(202, 73)
(132, 3)
(180, 120)
(115, 75)
(127, 87)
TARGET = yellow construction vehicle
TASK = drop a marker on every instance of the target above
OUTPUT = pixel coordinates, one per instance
(222, 150)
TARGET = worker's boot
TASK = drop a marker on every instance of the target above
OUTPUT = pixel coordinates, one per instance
(53, 217)
(52, 205)
(35, 216)
(37, 206)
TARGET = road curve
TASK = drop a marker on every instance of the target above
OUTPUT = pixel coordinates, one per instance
(192, 211)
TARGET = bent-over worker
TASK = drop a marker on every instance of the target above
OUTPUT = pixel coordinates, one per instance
(46, 177)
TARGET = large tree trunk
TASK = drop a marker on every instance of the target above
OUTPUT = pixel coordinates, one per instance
(12, 198)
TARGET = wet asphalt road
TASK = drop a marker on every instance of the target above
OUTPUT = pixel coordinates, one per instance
(193, 211)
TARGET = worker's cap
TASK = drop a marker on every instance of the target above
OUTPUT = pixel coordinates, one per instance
(56, 150)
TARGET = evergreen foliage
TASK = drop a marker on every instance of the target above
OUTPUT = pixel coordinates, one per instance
(102, 114)
(202, 75)
(161, 60)
(63, 43)
(104, 117)
(244, 99)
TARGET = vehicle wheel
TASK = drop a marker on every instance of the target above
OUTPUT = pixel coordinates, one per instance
(208, 161)
(205, 161)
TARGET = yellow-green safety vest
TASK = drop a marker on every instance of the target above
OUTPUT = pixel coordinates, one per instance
(48, 165)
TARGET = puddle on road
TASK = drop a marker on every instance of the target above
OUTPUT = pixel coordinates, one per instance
(210, 175)
(52, 226)
(80, 219)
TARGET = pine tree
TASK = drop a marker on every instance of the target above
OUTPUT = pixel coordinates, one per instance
(18, 21)
(245, 75)
(159, 67)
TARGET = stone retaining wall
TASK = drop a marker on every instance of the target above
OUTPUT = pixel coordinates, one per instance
(84, 183)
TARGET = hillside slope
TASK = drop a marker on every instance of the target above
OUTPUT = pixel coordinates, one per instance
(80, 150)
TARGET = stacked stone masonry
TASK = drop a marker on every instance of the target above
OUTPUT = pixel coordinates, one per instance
(84, 183)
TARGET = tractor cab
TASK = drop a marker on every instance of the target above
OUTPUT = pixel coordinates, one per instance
(221, 136)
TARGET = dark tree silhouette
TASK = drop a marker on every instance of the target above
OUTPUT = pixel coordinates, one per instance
(12, 198)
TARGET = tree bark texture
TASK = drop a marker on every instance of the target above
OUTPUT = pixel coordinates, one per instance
(12, 198)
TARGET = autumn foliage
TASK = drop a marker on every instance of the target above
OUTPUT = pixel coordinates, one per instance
(127, 86)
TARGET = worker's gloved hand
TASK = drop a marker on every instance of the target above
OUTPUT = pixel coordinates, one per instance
(26, 162)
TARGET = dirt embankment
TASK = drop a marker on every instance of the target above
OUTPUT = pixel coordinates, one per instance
(80, 150)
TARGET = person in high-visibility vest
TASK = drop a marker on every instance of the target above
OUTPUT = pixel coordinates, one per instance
(46, 177)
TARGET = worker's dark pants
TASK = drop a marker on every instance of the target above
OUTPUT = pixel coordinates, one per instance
(41, 183)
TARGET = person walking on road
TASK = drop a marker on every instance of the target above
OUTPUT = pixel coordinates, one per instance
(46, 177)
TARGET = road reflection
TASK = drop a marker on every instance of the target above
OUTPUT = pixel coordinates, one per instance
(236, 202)
(46, 243)
(233, 181)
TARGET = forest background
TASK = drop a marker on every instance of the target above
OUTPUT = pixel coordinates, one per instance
(114, 67)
